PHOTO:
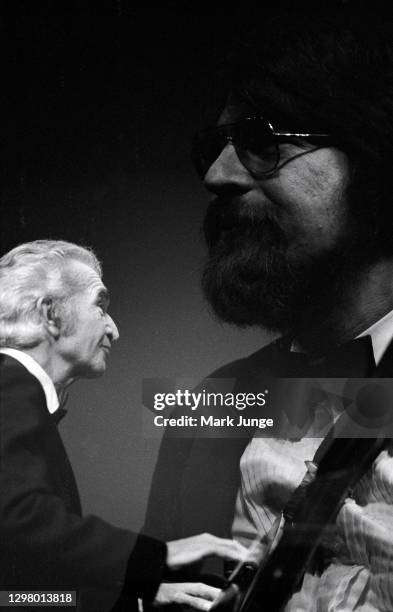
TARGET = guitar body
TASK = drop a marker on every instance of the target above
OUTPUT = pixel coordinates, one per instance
(339, 464)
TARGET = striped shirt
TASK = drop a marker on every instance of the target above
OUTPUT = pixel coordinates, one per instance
(359, 575)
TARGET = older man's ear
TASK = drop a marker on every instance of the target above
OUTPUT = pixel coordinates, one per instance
(49, 316)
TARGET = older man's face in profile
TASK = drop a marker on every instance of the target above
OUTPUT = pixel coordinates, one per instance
(87, 341)
(270, 239)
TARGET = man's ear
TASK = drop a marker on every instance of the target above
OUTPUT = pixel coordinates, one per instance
(49, 316)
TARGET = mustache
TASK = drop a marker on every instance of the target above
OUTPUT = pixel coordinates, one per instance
(228, 224)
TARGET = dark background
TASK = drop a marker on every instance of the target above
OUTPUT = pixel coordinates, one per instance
(99, 102)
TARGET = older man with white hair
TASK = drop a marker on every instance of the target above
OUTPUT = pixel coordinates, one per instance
(54, 329)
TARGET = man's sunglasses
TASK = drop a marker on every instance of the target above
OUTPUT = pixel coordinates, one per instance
(256, 143)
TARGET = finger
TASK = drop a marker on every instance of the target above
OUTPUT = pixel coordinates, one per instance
(228, 549)
(208, 539)
(189, 550)
(234, 545)
(197, 603)
(199, 589)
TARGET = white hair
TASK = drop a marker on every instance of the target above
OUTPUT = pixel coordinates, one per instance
(34, 270)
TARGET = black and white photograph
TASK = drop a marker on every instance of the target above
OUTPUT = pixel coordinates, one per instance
(196, 306)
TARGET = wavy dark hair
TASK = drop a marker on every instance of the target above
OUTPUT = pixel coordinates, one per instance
(334, 73)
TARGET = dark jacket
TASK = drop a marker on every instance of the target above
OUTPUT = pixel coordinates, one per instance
(45, 543)
(196, 479)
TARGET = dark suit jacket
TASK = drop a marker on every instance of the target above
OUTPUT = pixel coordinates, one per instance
(45, 543)
(196, 479)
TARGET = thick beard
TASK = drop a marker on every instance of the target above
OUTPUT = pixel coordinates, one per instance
(249, 278)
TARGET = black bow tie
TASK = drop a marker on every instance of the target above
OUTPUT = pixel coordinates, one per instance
(60, 413)
(354, 359)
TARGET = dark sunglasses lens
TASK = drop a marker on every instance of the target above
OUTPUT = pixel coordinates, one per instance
(253, 140)
(256, 147)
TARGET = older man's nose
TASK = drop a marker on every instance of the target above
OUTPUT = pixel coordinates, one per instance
(112, 329)
(227, 172)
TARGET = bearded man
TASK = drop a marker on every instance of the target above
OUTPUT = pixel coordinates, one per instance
(299, 237)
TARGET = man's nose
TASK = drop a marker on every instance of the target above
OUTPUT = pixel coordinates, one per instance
(112, 330)
(227, 173)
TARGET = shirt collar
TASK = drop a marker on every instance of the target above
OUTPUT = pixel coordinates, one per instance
(381, 334)
(52, 400)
